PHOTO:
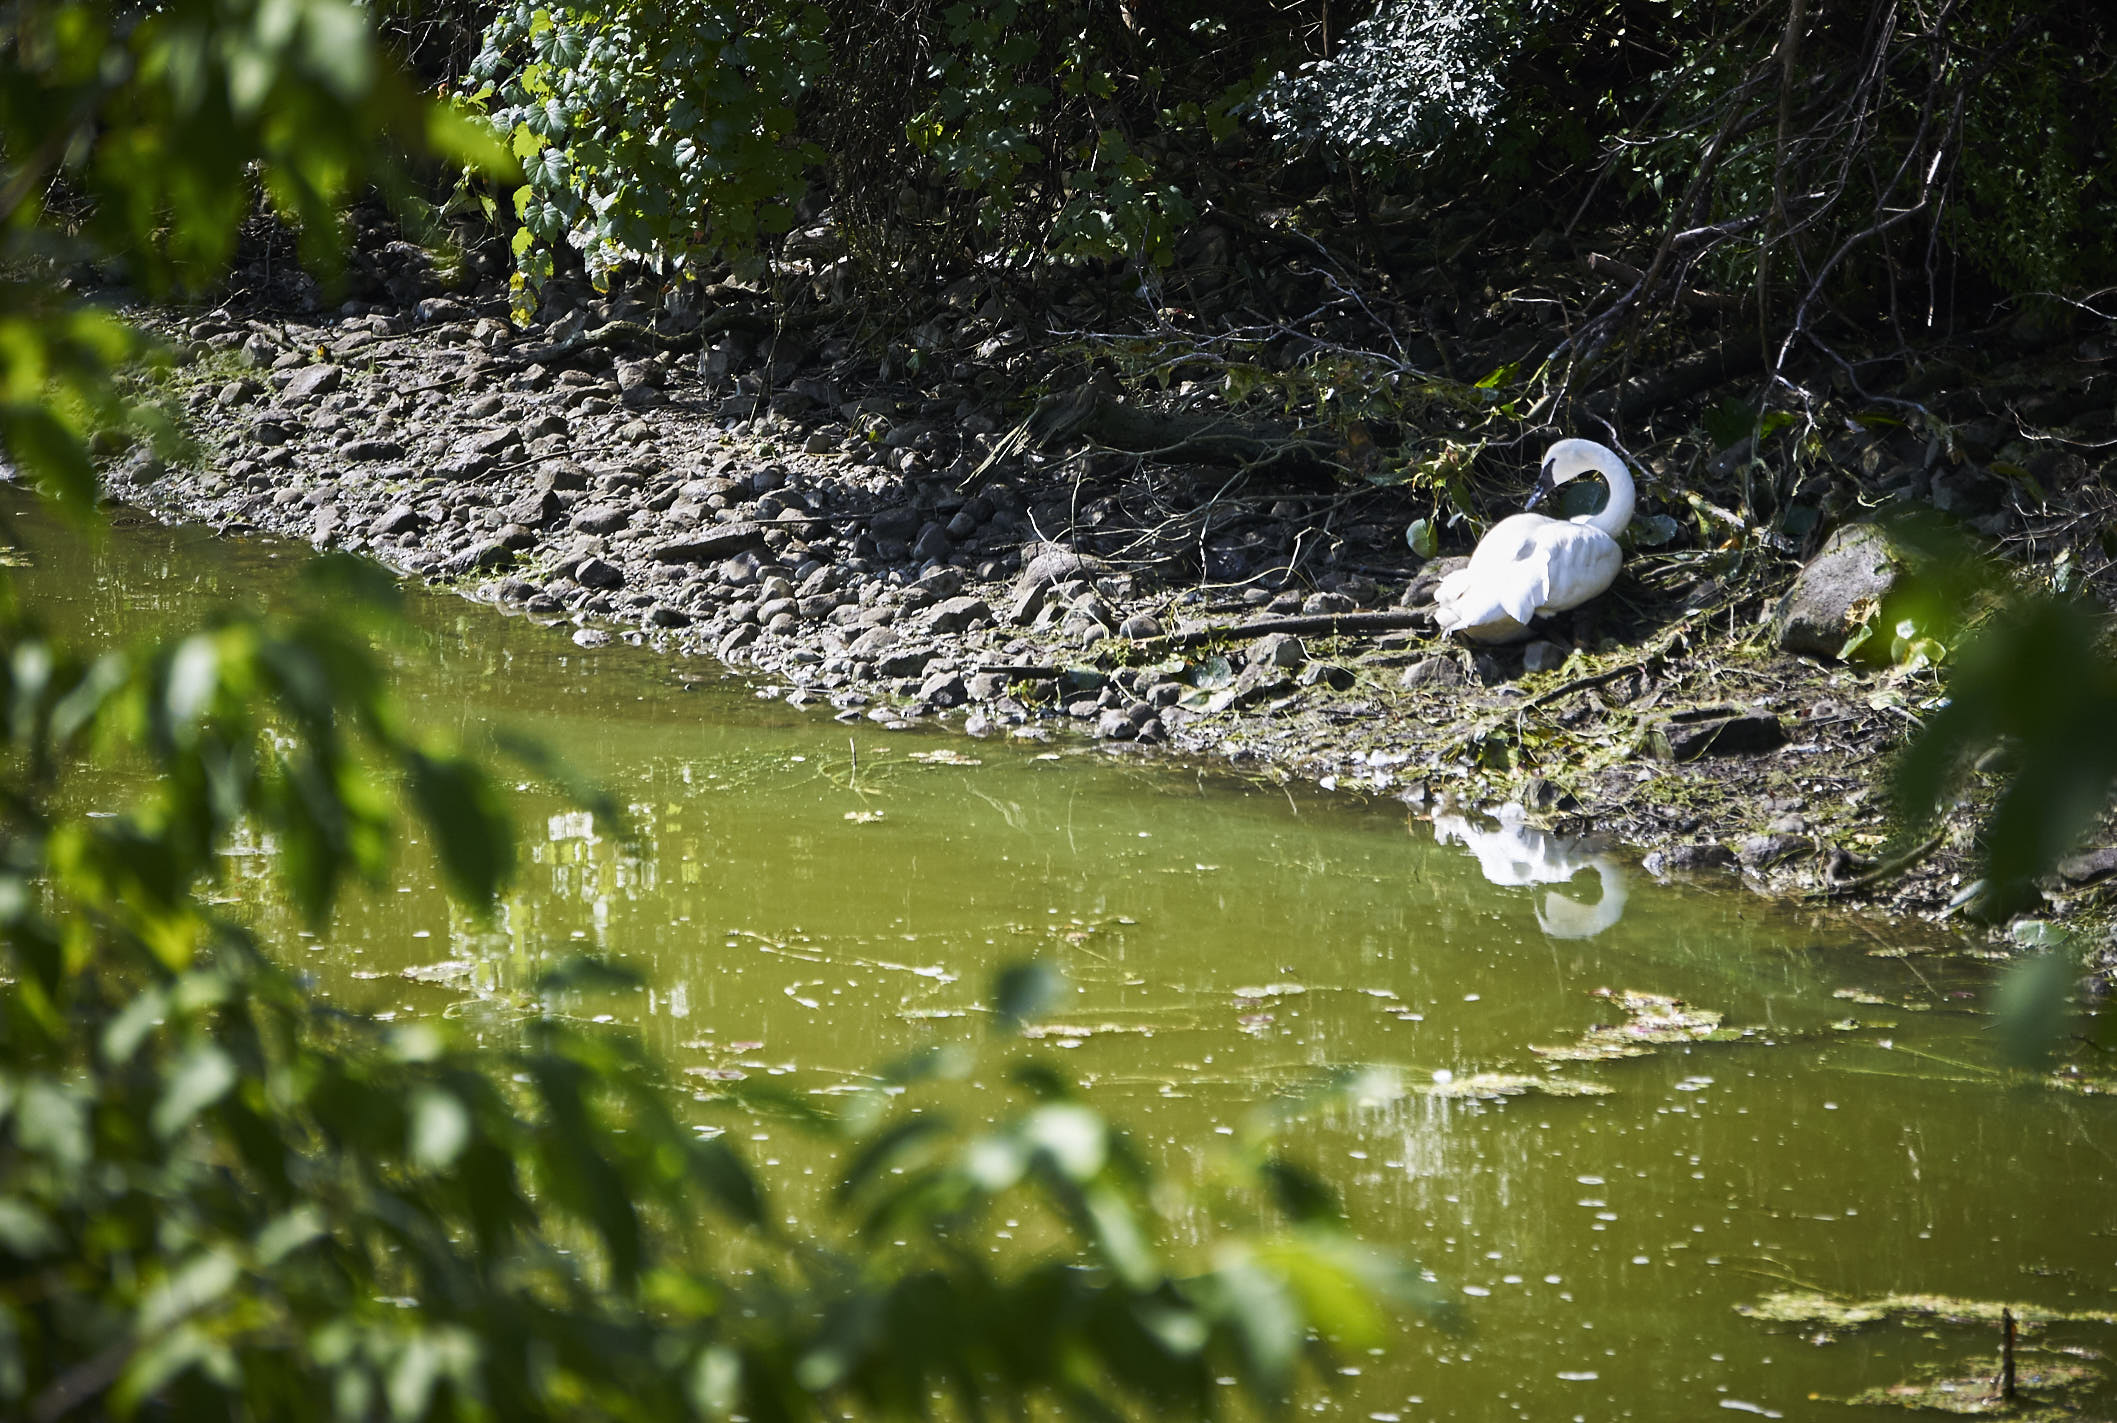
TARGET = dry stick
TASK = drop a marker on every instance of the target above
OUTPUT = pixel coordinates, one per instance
(1888, 869)
(1316, 622)
(1582, 684)
(2006, 1354)
(1789, 56)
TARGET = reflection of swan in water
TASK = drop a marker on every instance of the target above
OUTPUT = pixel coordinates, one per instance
(1515, 853)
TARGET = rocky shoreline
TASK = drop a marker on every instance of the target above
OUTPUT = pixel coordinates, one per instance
(890, 556)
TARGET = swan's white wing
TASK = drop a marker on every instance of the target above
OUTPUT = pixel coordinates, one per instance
(1526, 586)
(1497, 593)
(1579, 563)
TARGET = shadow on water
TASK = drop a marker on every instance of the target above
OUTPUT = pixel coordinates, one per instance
(805, 899)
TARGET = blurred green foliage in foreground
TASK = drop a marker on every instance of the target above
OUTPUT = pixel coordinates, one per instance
(221, 1197)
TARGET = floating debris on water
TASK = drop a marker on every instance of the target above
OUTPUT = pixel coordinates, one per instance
(1809, 1307)
(944, 758)
(1271, 990)
(1084, 1030)
(448, 971)
(1876, 1000)
(1651, 1019)
(1978, 1393)
(1509, 1084)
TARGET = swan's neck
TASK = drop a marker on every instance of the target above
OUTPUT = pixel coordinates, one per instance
(1616, 512)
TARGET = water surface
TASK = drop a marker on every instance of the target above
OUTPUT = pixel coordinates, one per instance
(807, 899)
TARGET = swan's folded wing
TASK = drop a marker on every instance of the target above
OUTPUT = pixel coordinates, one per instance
(1579, 563)
(1525, 587)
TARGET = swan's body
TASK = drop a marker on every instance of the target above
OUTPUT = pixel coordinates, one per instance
(1515, 853)
(1530, 564)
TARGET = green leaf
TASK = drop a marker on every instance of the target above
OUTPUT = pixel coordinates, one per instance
(2031, 1004)
(1021, 991)
(722, 1171)
(472, 832)
(440, 1127)
(198, 1079)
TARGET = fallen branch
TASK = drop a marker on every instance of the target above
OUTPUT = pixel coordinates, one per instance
(1888, 869)
(1308, 623)
(1684, 296)
(631, 335)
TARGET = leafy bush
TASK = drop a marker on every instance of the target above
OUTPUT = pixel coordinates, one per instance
(651, 130)
(677, 131)
(1406, 79)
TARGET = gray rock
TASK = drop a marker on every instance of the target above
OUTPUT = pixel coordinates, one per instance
(1841, 590)
(1028, 602)
(712, 544)
(536, 509)
(462, 467)
(661, 615)
(1276, 649)
(1114, 725)
(942, 582)
(944, 689)
(957, 614)
(436, 309)
(365, 449)
(312, 381)
(1714, 731)
(2089, 867)
(904, 662)
(1543, 656)
(561, 474)
(395, 520)
(488, 557)
(1761, 851)
(1050, 564)
(600, 574)
(1140, 627)
(1436, 671)
(933, 544)
(874, 643)
(601, 518)
(487, 442)
(1686, 859)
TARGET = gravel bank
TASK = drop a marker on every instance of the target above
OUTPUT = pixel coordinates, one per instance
(885, 557)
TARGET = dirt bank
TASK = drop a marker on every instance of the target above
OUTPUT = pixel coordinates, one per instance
(886, 555)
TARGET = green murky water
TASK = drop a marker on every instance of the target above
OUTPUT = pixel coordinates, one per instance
(807, 899)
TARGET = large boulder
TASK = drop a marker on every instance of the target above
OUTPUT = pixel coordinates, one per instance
(1842, 590)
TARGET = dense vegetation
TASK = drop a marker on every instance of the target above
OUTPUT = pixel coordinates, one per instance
(1827, 165)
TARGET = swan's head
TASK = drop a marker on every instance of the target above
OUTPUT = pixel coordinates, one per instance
(1570, 459)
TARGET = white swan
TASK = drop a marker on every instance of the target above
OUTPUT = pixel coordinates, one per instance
(1530, 564)
(1515, 854)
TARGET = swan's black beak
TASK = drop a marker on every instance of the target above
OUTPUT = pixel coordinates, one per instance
(1546, 486)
